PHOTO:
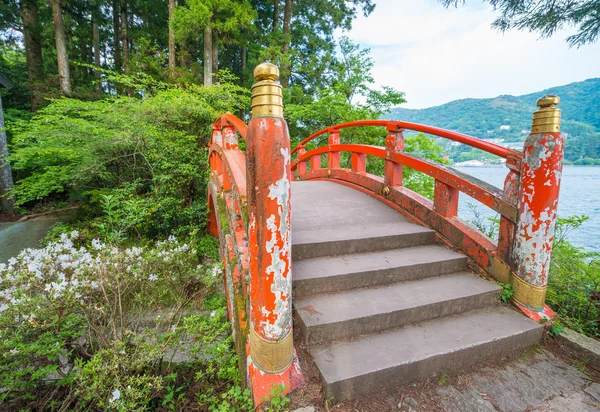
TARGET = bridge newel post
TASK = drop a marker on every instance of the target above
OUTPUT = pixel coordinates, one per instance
(394, 143)
(269, 178)
(537, 204)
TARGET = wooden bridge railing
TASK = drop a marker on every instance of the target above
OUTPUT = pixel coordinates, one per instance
(527, 203)
(249, 211)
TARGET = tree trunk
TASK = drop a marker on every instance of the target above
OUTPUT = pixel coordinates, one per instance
(275, 15)
(33, 51)
(172, 62)
(208, 51)
(215, 54)
(287, 30)
(6, 182)
(96, 35)
(124, 36)
(61, 49)
(117, 37)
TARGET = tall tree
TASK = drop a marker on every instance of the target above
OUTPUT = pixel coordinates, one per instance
(116, 35)
(171, 35)
(208, 53)
(547, 16)
(96, 36)
(287, 30)
(275, 15)
(33, 50)
(124, 35)
(6, 180)
(61, 48)
(215, 53)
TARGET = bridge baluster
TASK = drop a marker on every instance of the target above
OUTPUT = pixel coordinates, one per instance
(537, 203)
(394, 143)
(302, 165)
(269, 237)
(315, 162)
(333, 158)
(445, 199)
(510, 193)
(359, 162)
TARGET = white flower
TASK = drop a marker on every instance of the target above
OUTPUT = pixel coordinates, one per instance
(3, 307)
(12, 261)
(153, 277)
(74, 234)
(213, 313)
(116, 395)
(14, 351)
(98, 245)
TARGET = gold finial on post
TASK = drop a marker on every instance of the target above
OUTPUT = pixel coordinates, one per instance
(547, 118)
(267, 97)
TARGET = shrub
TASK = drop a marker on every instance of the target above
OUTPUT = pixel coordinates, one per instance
(148, 154)
(68, 312)
(574, 281)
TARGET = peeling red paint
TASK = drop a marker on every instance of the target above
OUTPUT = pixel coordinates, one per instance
(538, 202)
(269, 175)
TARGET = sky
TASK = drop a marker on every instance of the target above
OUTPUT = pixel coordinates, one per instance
(436, 55)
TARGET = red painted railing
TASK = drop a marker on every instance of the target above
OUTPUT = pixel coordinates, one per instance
(401, 126)
(227, 202)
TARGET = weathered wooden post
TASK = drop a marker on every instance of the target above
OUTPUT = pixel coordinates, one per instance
(537, 204)
(269, 236)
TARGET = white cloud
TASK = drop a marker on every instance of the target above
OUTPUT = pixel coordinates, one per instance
(436, 55)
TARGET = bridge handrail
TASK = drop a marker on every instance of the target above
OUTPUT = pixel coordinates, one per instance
(401, 125)
(484, 192)
(232, 120)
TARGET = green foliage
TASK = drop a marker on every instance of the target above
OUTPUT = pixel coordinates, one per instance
(555, 327)
(574, 281)
(483, 117)
(488, 226)
(139, 165)
(276, 401)
(443, 379)
(507, 291)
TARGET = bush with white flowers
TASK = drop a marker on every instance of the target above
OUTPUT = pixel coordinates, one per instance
(65, 303)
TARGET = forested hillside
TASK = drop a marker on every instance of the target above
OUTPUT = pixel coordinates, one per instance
(509, 118)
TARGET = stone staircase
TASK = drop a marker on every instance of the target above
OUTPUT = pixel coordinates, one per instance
(379, 304)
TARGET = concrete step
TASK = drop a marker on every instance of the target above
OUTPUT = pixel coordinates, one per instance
(359, 238)
(347, 272)
(328, 318)
(442, 346)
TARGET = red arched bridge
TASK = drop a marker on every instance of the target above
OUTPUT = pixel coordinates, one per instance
(380, 285)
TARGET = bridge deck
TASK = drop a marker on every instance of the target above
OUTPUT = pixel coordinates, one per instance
(379, 303)
(319, 204)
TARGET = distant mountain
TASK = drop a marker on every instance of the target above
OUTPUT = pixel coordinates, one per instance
(509, 117)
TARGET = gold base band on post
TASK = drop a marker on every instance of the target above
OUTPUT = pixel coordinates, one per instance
(528, 295)
(270, 356)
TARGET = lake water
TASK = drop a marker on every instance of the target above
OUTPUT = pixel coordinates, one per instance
(579, 195)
